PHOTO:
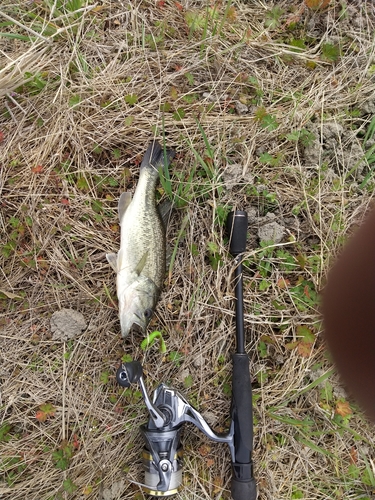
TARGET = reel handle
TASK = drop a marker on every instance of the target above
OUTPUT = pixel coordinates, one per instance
(129, 373)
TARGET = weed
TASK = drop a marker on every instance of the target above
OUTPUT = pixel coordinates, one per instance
(287, 261)
(74, 101)
(62, 457)
(330, 52)
(221, 214)
(262, 348)
(304, 136)
(176, 357)
(131, 99)
(69, 486)
(5, 432)
(34, 83)
(179, 114)
(45, 412)
(266, 120)
(304, 295)
(213, 255)
(272, 17)
(104, 377)
(268, 159)
(11, 468)
(188, 381)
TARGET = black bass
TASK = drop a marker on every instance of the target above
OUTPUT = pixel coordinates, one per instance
(141, 261)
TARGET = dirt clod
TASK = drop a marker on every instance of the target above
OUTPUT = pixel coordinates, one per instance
(67, 324)
(114, 491)
(241, 108)
(232, 175)
(272, 231)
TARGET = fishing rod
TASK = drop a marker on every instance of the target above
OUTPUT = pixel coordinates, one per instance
(243, 483)
(162, 456)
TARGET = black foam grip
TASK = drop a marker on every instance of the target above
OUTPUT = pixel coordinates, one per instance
(237, 230)
(242, 408)
(243, 485)
(243, 490)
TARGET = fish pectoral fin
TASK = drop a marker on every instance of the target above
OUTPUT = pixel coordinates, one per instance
(112, 260)
(141, 263)
(123, 203)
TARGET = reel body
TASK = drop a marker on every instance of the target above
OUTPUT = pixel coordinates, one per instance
(162, 455)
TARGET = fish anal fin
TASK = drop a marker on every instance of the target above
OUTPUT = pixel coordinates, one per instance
(123, 203)
(112, 260)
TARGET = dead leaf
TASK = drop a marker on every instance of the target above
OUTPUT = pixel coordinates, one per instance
(37, 170)
(76, 442)
(98, 8)
(306, 291)
(10, 295)
(204, 450)
(87, 490)
(317, 4)
(174, 93)
(353, 455)
(42, 417)
(218, 484)
(45, 412)
(283, 283)
(231, 14)
(304, 349)
(343, 408)
(291, 345)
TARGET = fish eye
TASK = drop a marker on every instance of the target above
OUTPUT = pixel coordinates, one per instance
(148, 313)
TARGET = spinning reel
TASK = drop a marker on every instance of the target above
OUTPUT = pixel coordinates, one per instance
(169, 410)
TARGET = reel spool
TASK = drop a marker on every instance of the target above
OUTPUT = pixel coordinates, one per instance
(152, 476)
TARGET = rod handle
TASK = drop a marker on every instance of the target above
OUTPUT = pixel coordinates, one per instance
(243, 482)
(237, 230)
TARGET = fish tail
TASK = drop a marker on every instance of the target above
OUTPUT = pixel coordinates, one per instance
(154, 156)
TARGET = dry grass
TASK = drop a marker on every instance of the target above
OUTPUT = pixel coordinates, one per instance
(71, 144)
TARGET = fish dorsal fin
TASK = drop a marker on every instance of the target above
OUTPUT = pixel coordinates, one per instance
(123, 203)
(141, 263)
(112, 260)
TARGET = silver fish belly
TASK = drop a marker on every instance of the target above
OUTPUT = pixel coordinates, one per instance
(140, 262)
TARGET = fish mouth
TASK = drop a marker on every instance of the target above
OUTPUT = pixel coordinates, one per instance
(135, 328)
(130, 329)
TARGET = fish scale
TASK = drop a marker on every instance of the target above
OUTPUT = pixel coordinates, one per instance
(140, 262)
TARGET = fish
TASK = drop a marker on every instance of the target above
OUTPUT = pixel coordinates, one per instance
(140, 264)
